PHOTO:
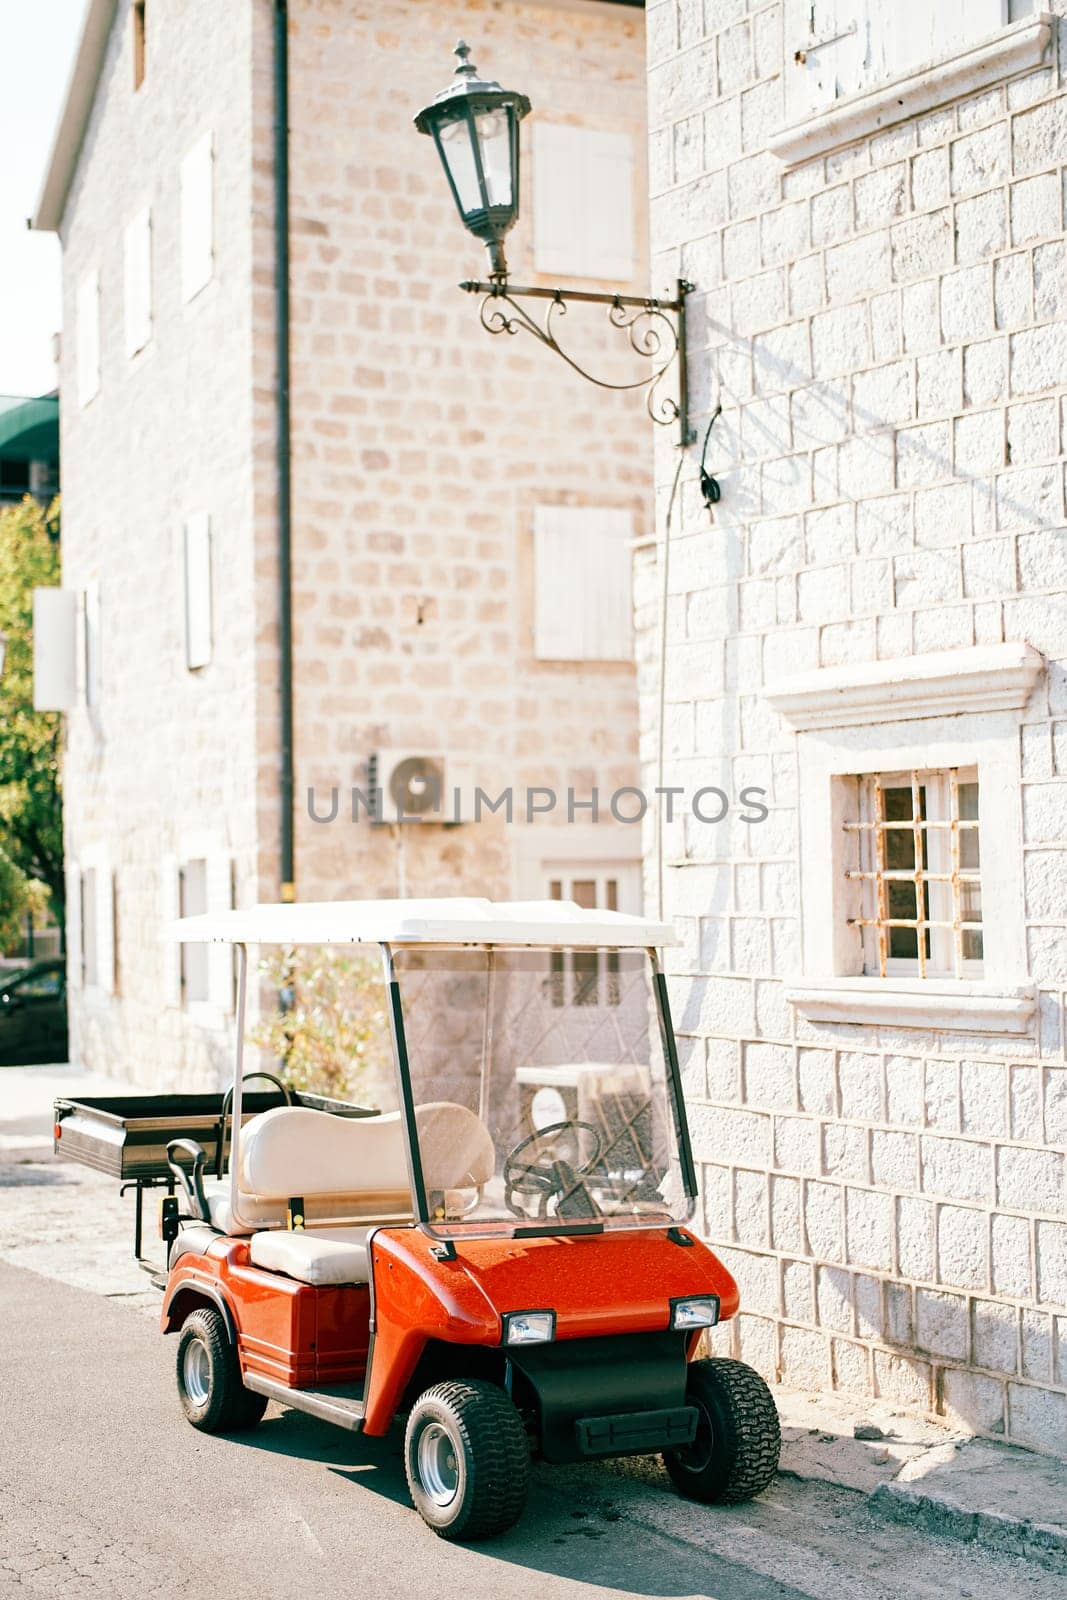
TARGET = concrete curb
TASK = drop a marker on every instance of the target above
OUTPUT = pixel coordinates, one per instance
(1035, 1541)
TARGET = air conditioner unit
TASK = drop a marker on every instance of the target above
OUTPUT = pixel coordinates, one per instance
(413, 786)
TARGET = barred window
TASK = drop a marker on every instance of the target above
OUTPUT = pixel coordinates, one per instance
(917, 863)
(586, 977)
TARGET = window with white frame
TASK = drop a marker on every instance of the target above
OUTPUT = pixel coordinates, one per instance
(87, 312)
(590, 977)
(582, 584)
(198, 598)
(583, 202)
(90, 913)
(917, 848)
(137, 281)
(199, 977)
(837, 48)
(193, 901)
(89, 917)
(197, 217)
(911, 839)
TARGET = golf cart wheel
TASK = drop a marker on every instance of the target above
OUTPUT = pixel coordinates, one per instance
(209, 1378)
(467, 1459)
(738, 1439)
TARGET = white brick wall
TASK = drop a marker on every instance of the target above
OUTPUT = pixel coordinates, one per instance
(884, 328)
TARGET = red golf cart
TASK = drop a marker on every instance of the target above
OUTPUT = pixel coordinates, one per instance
(496, 1249)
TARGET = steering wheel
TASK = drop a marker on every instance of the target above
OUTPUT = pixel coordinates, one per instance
(227, 1102)
(557, 1173)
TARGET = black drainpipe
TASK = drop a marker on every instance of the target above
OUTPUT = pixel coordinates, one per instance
(284, 440)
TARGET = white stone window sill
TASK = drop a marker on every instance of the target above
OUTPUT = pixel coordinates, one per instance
(995, 677)
(959, 1005)
(1015, 49)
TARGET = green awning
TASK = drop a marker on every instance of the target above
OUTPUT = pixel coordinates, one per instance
(29, 429)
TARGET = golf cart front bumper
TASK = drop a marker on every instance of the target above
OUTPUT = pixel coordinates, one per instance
(614, 1396)
(633, 1433)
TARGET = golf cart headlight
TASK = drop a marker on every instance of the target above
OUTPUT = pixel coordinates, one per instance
(698, 1311)
(529, 1327)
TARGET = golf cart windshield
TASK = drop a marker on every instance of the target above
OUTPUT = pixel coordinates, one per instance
(559, 1055)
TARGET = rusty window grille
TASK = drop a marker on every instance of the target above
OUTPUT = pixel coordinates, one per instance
(919, 877)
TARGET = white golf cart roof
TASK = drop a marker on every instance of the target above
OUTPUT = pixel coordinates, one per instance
(539, 923)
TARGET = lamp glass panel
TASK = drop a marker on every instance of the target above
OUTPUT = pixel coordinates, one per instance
(494, 136)
(454, 136)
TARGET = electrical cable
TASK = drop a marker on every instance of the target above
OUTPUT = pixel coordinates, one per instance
(664, 581)
(709, 483)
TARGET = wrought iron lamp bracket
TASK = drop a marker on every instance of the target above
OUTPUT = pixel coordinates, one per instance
(655, 328)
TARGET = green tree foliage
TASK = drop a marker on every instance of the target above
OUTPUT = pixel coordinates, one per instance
(31, 827)
(333, 1037)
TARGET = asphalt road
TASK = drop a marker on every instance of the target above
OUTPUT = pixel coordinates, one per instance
(105, 1490)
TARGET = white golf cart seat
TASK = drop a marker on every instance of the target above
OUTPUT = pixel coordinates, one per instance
(351, 1173)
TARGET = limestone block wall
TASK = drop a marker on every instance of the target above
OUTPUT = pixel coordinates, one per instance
(883, 324)
(422, 445)
(165, 752)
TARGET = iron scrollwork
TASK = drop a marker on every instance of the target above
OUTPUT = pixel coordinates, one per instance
(655, 330)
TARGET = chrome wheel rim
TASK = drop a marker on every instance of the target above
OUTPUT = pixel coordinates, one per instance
(196, 1372)
(437, 1461)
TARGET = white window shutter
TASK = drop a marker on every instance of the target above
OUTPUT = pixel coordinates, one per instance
(138, 281)
(220, 956)
(197, 217)
(73, 914)
(583, 202)
(55, 649)
(169, 892)
(105, 929)
(608, 616)
(198, 602)
(609, 206)
(91, 642)
(558, 588)
(582, 593)
(557, 199)
(835, 48)
(87, 339)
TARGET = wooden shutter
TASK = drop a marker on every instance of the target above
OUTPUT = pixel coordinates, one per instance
(87, 313)
(583, 202)
(197, 217)
(198, 607)
(835, 48)
(169, 890)
(55, 649)
(73, 934)
(138, 282)
(582, 591)
(91, 644)
(220, 956)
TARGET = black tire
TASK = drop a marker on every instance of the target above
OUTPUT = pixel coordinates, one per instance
(735, 1453)
(209, 1378)
(467, 1459)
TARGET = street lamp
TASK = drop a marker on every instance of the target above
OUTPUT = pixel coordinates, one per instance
(475, 126)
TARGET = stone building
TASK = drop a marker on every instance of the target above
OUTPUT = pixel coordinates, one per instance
(872, 626)
(457, 500)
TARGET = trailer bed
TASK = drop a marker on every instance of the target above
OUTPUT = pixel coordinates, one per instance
(126, 1136)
